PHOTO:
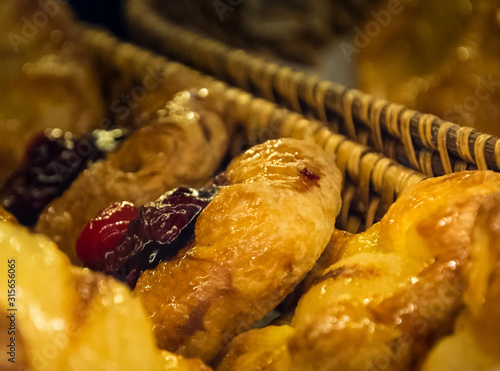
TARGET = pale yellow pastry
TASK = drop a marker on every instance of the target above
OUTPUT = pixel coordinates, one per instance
(65, 318)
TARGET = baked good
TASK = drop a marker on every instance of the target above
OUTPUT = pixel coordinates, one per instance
(5, 216)
(253, 244)
(380, 299)
(434, 57)
(84, 321)
(182, 145)
(475, 340)
(53, 159)
(209, 263)
(47, 77)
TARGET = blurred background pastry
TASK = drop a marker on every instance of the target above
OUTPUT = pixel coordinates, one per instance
(439, 57)
(47, 77)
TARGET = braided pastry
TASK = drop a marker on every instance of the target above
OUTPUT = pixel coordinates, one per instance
(254, 243)
(380, 299)
(475, 342)
(183, 145)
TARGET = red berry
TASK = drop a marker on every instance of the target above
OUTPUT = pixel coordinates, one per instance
(104, 233)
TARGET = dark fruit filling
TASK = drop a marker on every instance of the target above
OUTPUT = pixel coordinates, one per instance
(52, 161)
(162, 228)
(104, 233)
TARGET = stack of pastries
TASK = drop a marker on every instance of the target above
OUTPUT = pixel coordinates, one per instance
(159, 254)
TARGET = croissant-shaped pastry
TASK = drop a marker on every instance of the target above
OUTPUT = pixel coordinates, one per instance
(380, 299)
(47, 76)
(253, 244)
(63, 318)
(183, 145)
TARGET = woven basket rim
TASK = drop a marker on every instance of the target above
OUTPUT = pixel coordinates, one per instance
(374, 181)
(422, 141)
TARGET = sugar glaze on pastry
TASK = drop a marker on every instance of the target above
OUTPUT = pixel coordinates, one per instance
(380, 299)
(254, 243)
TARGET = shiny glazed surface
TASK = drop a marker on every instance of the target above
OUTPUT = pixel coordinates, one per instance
(253, 243)
(380, 299)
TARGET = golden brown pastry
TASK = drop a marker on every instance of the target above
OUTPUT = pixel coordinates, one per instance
(475, 343)
(69, 318)
(254, 243)
(47, 77)
(183, 145)
(5, 216)
(394, 290)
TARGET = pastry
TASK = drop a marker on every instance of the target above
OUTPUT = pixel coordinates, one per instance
(84, 321)
(5, 216)
(47, 77)
(475, 340)
(183, 145)
(53, 159)
(434, 57)
(380, 299)
(258, 234)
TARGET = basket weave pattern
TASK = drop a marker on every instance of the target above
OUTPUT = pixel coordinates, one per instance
(421, 141)
(372, 181)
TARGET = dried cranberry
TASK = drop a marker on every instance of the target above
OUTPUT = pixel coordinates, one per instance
(104, 233)
(162, 228)
(52, 161)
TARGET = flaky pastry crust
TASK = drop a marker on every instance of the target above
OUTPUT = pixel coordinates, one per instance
(69, 318)
(253, 243)
(390, 293)
(182, 146)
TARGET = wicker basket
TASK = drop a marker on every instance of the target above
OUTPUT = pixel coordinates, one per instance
(295, 30)
(420, 141)
(372, 181)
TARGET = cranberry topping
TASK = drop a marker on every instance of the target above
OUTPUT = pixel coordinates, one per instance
(52, 161)
(161, 229)
(104, 233)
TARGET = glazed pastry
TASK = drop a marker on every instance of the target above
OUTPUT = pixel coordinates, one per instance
(47, 77)
(380, 299)
(476, 339)
(85, 321)
(183, 145)
(253, 243)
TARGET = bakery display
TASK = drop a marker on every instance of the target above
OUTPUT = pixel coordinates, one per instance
(238, 266)
(390, 293)
(48, 77)
(182, 145)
